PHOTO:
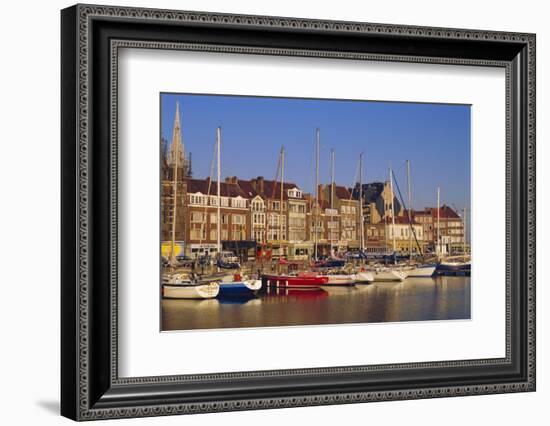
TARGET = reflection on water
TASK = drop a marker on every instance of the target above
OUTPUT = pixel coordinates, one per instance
(416, 299)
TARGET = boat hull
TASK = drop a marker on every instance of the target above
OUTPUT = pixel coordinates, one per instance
(454, 268)
(364, 278)
(190, 291)
(421, 272)
(242, 288)
(389, 275)
(340, 280)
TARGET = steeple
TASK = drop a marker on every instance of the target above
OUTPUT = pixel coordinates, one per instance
(177, 152)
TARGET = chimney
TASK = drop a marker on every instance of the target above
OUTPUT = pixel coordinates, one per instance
(260, 184)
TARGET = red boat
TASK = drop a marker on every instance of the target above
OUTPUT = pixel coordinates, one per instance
(291, 281)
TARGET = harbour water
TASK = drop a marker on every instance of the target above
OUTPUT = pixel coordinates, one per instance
(415, 299)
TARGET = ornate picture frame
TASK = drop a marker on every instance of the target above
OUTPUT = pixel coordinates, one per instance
(91, 37)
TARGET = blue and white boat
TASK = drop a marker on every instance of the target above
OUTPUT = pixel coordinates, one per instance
(236, 286)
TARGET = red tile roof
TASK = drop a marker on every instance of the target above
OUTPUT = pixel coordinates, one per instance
(342, 192)
(270, 189)
(445, 212)
(226, 189)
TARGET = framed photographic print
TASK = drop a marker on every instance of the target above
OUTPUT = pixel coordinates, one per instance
(263, 212)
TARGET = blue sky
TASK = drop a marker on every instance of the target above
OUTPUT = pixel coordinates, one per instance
(434, 137)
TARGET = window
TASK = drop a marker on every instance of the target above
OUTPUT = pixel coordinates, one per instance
(198, 234)
(257, 206)
(257, 219)
(238, 219)
(196, 217)
(239, 203)
(295, 193)
(238, 234)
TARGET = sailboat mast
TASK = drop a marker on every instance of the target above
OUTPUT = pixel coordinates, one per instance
(438, 229)
(218, 143)
(392, 211)
(361, 218)
(316, 212)
(281, 205)
(331, 199)
(409, 206)
(175, 144)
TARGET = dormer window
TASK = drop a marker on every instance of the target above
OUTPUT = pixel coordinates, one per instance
(295, 193)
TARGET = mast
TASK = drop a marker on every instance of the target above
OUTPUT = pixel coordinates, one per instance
(331, 199)
(281, 204)
(176, 135)
(218, 143)
(392, 211)
(410, 206)
(361, 220)
(438, 235)
(316, 213)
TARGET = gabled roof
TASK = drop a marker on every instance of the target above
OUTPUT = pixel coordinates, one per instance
(247, 188)
(342, 192)
(271, 189)
(445, 212)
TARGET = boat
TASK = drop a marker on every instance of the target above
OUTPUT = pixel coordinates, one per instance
(180, 286)
(454, 266)
(420, 271)
(364, 277)
(237, 286)
(330, 263)
(333, 279)
(339, 279)
(222, 264)
(388, 274)
(313, 282)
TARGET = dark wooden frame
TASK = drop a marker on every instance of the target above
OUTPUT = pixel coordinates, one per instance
(90, 386)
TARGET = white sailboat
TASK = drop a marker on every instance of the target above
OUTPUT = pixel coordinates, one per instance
(179, 285)
(386, 273)
(390, 273)
(415, 271)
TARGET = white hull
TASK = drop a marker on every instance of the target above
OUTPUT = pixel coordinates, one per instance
(340, 280)
(364, 277)
(190, 291)
(422, 271)
(389, 275)
(253, 285)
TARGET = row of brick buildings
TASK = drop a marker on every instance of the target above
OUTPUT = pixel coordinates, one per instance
(252, 217)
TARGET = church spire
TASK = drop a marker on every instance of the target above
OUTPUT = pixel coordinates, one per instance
(177, 152)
